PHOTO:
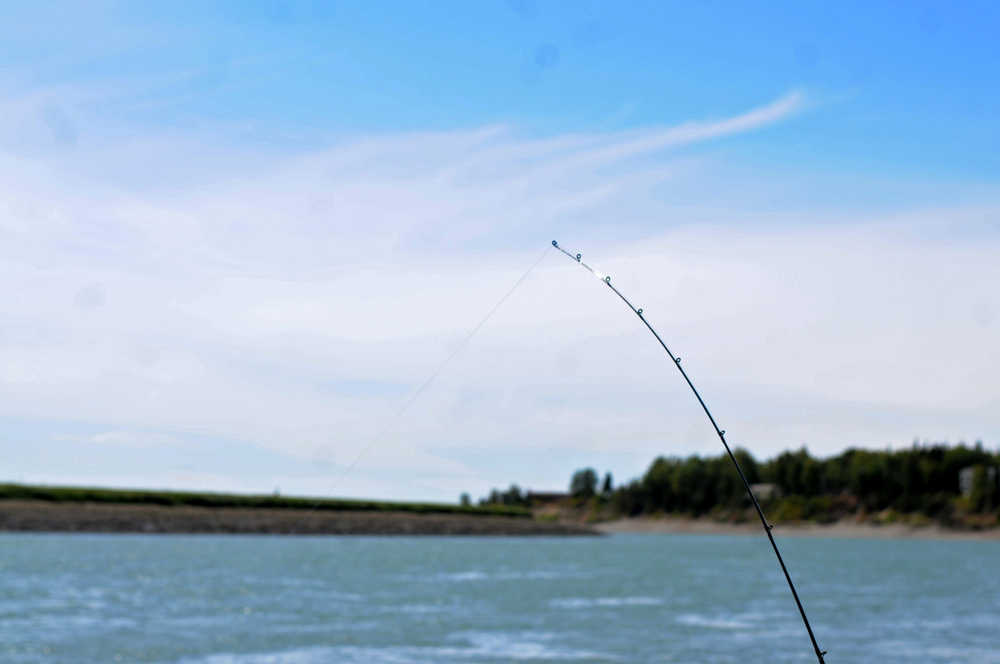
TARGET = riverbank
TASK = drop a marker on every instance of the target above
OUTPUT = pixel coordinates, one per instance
(839, 529)
(45, 516)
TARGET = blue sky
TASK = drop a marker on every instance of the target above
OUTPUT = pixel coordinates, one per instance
(880, 76)
(251, 229)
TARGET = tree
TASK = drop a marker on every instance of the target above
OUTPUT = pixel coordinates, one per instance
(465, 500)
(513, 496)
(608, 486)
(985, 488)
(658, 486)
(583, 484)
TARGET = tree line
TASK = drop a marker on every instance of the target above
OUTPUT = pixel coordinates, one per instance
(922, 479)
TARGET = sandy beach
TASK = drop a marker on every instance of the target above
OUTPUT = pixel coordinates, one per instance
(849, 529)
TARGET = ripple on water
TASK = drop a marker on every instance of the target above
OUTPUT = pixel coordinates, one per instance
(483, 646)
(592, 602)
(497, 575)
(713, 622)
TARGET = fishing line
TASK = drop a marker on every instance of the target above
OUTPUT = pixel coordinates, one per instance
(722, 436)
(405, 405)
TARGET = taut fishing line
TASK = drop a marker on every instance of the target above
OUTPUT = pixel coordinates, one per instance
(722, 436)
(408, 401)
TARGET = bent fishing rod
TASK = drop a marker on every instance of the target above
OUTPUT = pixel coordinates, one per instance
(722, 436)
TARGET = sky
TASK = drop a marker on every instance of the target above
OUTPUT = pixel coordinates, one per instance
(243, 245)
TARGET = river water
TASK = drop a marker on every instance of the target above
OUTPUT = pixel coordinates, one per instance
(625, 598)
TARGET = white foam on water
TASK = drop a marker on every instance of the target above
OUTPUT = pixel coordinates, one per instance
(697, 620)
(504, 575)
(315, 655)
(469, 575)
(420, 609)
(591, 602)
(539, 574)
(521, 646)
(964, 653)
(470, 646)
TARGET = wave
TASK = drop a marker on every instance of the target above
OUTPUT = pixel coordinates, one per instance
(479, 575)
(590, 602)
(473, 645)
(696, 620)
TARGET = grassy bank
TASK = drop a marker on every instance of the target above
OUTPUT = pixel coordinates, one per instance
(91, 517)
(63, 494)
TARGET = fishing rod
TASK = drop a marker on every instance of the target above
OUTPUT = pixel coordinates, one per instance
(722, 436)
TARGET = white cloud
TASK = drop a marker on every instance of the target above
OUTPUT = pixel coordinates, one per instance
(291, 302)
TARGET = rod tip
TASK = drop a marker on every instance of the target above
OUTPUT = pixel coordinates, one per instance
(554, 243)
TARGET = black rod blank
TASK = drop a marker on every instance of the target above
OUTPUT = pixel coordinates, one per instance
(722, 436)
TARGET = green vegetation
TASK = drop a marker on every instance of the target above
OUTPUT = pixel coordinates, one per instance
(919, 481)
(512, 497)
(583, 484)
(205, 499)
(917, 486)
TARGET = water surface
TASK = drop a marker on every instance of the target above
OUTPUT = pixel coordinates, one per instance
(626, 598)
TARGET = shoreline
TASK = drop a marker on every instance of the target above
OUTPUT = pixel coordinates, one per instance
(43, 516)
(846, 529)
(68, 517)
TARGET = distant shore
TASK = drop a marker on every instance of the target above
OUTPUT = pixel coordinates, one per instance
(45, 516)
(839, 529)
